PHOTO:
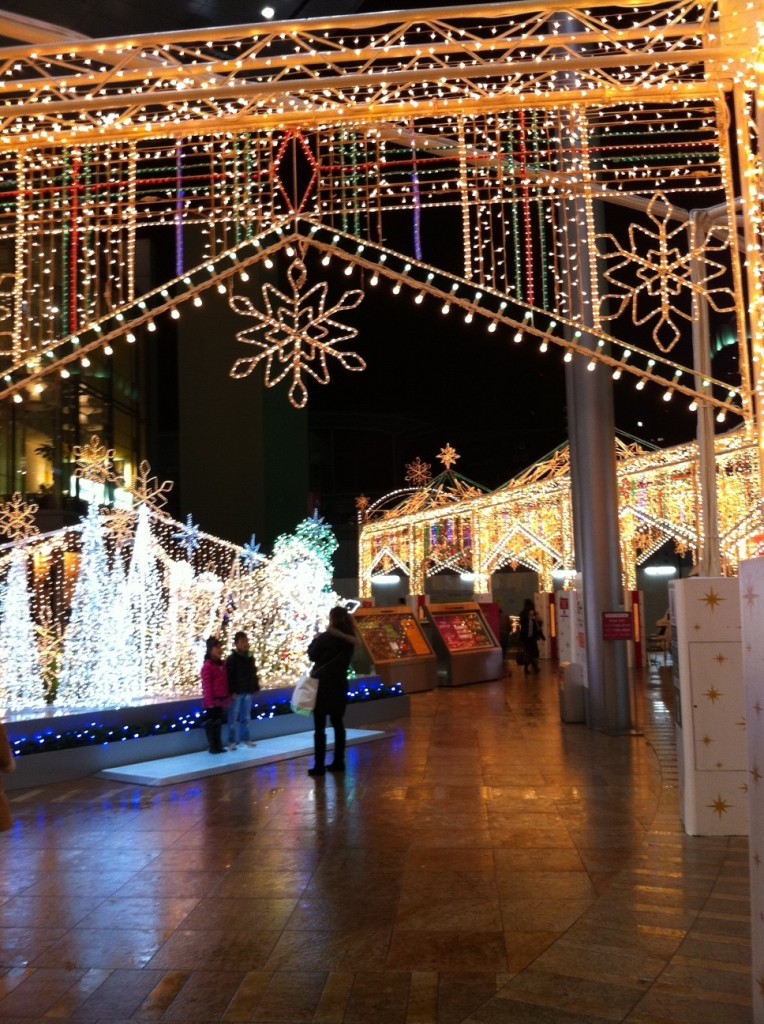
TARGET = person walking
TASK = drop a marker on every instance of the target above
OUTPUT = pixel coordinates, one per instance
(330, 653)
(215, 696)
(530, 634)
(242, 684)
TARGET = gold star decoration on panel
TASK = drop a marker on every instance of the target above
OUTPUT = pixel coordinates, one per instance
(720, 806)
(300, 333)
(711, 599)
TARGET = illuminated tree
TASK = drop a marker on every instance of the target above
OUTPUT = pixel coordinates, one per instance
(20, 676)
(144, 592)
(283, 604)
(318, 536)
(121, 640)
(84, 675)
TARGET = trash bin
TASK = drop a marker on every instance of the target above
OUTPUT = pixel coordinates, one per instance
(572, 692)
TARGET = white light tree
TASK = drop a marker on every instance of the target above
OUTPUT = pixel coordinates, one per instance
(193, 614)
(20, 676)
(284, 602)
(120, 637)
(147, 605)
(85, 673)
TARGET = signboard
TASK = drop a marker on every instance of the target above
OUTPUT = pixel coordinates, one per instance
(617, 626)
(462, 631)
(389, 637)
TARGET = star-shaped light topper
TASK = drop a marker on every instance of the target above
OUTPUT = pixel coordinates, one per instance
(17, 519)
(188, 537)
(448, 456)
(296, 334)
(250, 554)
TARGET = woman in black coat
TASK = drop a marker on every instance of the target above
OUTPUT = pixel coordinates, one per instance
(530, 634)
(330, 653)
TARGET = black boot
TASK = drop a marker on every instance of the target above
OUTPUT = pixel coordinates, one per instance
(209, 728)
(319, 753)
(338, 763)
(217, 730)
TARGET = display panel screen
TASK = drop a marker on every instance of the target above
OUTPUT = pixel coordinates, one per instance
(462, 631)
(391, 637)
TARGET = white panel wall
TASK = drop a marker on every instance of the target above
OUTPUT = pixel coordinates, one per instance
(710, 706)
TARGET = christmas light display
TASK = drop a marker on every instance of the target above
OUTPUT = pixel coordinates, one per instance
(448, 524)
(339, 130)
(116, 618)
(296, 334)
(283, 602)
(21, 683)
(85, 674)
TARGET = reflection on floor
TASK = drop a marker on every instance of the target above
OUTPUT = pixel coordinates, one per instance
(485, 864)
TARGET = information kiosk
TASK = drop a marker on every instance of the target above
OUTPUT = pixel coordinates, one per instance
(397, 649)
(467, 650)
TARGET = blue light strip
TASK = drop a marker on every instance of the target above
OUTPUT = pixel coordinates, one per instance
(96, 734)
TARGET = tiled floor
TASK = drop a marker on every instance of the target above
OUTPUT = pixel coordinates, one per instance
(485, 864)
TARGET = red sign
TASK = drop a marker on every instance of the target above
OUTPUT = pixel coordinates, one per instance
(616, 626)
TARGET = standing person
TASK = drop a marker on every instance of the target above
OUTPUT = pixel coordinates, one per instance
(330, 653)
(215, 696)
(7, 765)
(242, 684)
(530, 634)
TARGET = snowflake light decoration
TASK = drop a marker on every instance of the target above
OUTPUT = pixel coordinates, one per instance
(447, 456)
(250, 554)
(148, 491)
(95, 462)
(296, 338)
(188, 537)
(17, 519)
(657, 280)
(120, 523)
(418, 473)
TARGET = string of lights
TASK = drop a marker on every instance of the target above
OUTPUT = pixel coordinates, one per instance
(424, 531)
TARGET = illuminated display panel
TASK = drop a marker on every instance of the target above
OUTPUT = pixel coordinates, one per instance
(463, 631)
(390, 637)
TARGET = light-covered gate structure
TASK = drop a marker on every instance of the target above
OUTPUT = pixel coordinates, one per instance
(459, 152)
(447, 524)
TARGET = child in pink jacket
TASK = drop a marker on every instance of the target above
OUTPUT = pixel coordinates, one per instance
(215, 696)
